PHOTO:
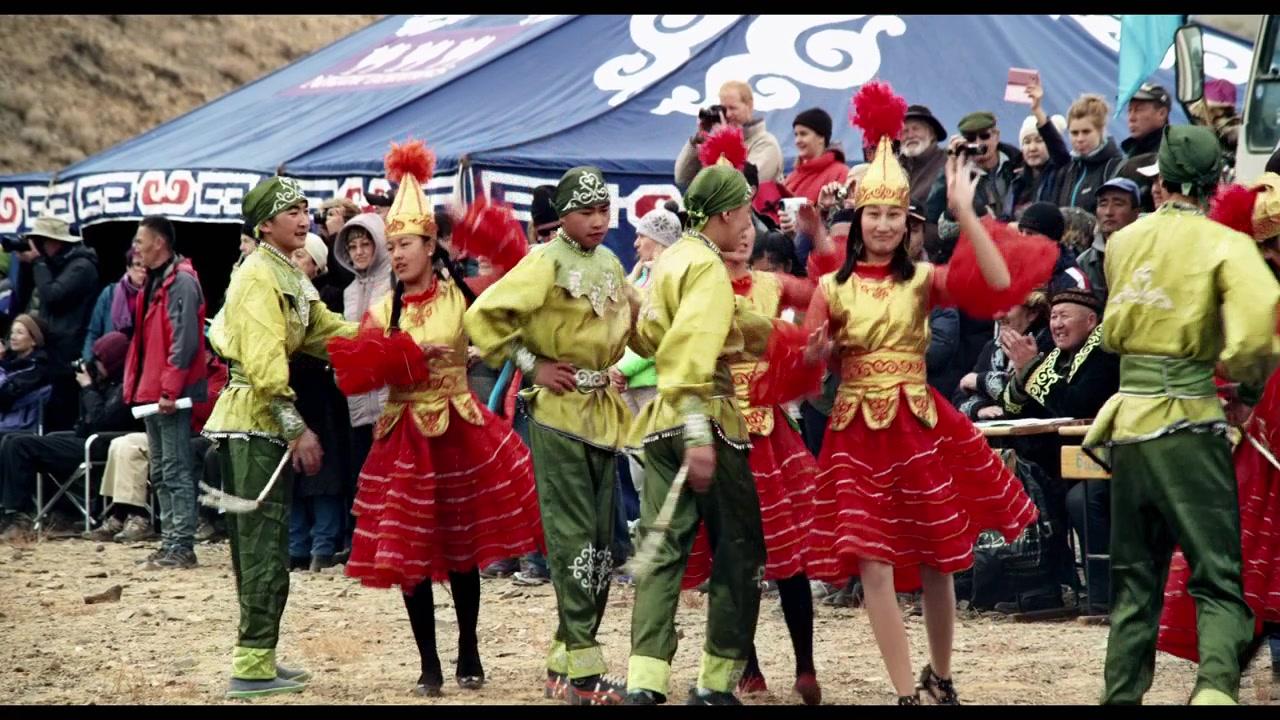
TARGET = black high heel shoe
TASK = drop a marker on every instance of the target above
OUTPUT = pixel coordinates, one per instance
(942, 692)
(470, 672)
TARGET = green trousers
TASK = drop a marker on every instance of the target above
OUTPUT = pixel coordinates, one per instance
(1178, 489)
(731, 511)
(259, 551)
(575, 494)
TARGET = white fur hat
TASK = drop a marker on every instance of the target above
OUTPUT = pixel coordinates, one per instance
(1029, 125)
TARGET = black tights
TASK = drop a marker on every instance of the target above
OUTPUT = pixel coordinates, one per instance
(466, 603)
(797, 608)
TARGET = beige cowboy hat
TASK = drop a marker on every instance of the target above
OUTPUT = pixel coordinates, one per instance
(53, 228)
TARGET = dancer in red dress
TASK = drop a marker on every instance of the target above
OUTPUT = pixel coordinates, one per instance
(447, 487)
(1255, 211)
(906, 483)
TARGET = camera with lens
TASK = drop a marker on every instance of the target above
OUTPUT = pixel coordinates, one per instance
(12, 243)
(973, 149)
(709, 117)
(841, 194)
(317, 216)
(89, 368)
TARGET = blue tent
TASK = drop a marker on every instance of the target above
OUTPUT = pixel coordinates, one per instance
(510, 102)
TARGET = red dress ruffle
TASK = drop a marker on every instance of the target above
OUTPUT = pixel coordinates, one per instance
(429, 506)
(785, 474)
(1259, 491)
(909, 495)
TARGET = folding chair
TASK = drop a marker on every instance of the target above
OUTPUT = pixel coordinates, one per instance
(82, 475)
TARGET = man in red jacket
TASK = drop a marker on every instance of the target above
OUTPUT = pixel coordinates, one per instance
(166, 363)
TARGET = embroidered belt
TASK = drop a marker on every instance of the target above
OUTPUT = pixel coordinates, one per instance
(442, 382)
(590, 380)
(882, 368)
(1152, 376)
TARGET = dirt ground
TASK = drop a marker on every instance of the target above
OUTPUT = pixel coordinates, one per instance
(169, 638)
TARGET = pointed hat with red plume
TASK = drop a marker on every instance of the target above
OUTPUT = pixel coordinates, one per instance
(411, 165)
(879, 114)
(725, 145)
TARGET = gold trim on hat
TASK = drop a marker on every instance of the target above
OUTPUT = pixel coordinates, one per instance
(884, 183)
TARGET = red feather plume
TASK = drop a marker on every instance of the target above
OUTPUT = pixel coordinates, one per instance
(413, 158)
(490, 230)
(877, 112)
(726, 141)
(1232, 205)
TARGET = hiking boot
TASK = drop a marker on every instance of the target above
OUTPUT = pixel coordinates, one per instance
(320, 562)
(183, 558)
(297, 675)
(154, 556)
(644, 697)
(596, 690)
(702, 696)
(531, 574)
(556, 686)
(106, 532)
(205, 530)
(500, 568)
(941, 691)
(249, 689)
(136, 529)
(16, 526)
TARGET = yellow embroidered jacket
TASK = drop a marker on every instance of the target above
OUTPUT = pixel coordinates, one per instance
(271, 312)
(563, 304)
(1185, 293)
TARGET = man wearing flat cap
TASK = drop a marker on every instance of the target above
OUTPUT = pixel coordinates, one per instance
(271, 312)
(1148, 117)
(1187, 294)
(994, 163)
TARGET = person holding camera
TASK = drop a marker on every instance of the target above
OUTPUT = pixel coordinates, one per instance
(102, 410)
(64, 273)
(166, 363)
(736, 108)
(993, 161)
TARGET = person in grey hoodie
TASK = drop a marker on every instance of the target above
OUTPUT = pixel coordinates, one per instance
(361, 247)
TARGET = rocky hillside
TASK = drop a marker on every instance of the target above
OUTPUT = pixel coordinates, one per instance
(73, 85)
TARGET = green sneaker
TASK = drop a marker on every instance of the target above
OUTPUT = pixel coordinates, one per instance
(297, 675)
(1211, 696)
(249, 689)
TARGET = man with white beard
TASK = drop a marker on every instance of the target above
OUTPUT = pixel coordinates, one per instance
(922, 159)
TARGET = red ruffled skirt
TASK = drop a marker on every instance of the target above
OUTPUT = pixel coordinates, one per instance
(909, 495)
(1259, 490)
(429, 506)
(785, 475)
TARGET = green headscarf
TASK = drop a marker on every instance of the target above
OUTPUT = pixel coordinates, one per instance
(1190, 156)
(715, 189)
(270, 198)
(581, 188)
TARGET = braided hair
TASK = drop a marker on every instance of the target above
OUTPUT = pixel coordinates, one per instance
(445, 269)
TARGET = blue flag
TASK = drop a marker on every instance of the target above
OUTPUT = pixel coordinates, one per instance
(1144, 39)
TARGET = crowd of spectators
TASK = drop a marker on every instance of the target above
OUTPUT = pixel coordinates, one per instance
(139, 340)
